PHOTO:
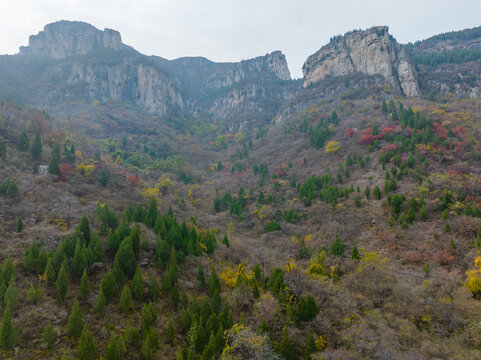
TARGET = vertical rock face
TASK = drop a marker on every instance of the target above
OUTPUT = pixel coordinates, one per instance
(371, 52)
(66, 39)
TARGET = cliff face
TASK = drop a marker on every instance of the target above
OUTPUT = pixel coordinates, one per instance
(80, 62)
(65, 39)
(371, 52)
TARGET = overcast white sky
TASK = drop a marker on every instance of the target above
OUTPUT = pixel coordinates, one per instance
(226, 30)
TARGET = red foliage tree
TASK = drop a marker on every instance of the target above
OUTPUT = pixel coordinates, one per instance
(133, 180)
(65, 170)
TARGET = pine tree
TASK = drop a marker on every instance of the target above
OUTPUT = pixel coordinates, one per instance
(355, 253)
(152, 213)
(310, 345)
(149, 316)
(151, 344)
(48, 337)
(175, 297)
(84, 229)
(22, 141)
(53, 165)
(263, 327)
(125, 257)
(109, 286)
(306, 308)
(50, 273)
(116, 348)
(75, 321)
(285, 347)
(138, 285)
(8, 331)
(125, 301)
(337, 247)
(367, 192)
(36, 148)
(3, 149)
(169, 333)
(86, 349)
(384, 107)
(11, 294)
(100, 302)
(154, 289)
(214, 282)
(210, 349)
(377, 193)
(225, 241)
(104, 177)
(61, 285)
(19, 225)
(200, 276)
(84, 286)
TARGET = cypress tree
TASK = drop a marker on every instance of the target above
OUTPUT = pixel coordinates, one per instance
(125, 257)
(61, 285)
(48, 337)
(138, 285)
(149, 316)
(84, 286)
(151, 344)
(152, 213)
(210, 349)
(125, 301)
(11, 294)
(36, 149)
(384, 107)
(8, 331)
(86, 349)
(75, 321)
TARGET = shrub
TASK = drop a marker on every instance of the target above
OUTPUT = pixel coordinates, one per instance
(306, 308)
(272, 226)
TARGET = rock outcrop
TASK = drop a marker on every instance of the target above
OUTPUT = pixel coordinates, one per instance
(371, 52)
(64, 39)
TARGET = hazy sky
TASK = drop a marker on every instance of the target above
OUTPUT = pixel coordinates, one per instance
(225, 30)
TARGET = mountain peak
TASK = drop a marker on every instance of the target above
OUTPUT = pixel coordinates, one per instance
(63, 39)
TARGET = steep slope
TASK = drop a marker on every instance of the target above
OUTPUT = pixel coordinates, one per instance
(371, 52)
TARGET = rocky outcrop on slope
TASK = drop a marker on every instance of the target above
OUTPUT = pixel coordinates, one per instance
(371, 52)
(64, 39)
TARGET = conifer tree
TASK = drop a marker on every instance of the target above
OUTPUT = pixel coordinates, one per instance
(225, 241)
(84, 286)
(3, 149)
(116, 348)
(214, 282)
(169, 333)
(8, 331)
(109, 286)
(355, 253)
(86, 349)
(150, 344)
(152, 213)
(154, 289)
(100, 302)
(125, 257)
(263, 327)
(22, 141)
(285, 347)
(36, 148)
(50, 273)
(337, 247)
(48, 337)
(125, 301)
(210, 349)
(310, 345)
(149, 316)
(61, 285)
(11, 294)
(75, 321)
(384, 107)
(138, 285)
(175, 297)
(53, 165)
(84, 229)
(200, 276)
(19, 225)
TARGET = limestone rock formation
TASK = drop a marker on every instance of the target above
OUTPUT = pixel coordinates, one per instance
(371, 52)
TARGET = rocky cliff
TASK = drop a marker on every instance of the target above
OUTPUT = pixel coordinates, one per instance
(65, 39)
(371, 52)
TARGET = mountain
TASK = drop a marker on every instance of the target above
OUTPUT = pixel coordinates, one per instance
(373, 52)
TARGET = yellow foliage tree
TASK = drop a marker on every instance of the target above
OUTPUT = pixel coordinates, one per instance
(332, 147)
(473, 281)
(85, 169)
